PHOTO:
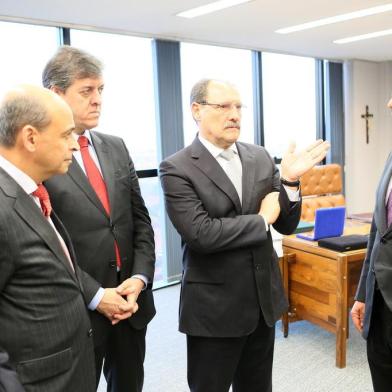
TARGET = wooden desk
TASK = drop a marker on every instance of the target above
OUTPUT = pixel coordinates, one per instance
(320, 285)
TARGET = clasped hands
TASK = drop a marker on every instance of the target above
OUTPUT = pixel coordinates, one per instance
(119, 303)
(293, 166)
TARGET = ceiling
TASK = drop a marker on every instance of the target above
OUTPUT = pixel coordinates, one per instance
(250, 25)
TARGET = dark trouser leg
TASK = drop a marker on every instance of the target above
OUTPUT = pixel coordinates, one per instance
(124, 358)
(215, 363)
(379, 345)
(254, 371)
(212, 362)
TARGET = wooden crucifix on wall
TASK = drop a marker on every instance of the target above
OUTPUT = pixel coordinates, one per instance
(366, 116)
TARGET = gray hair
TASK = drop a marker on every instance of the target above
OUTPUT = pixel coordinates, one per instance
(69, 64)
(19, 111)
(199, 91)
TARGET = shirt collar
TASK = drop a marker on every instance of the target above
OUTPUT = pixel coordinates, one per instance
(85, 133)
(215, 150)
(23, 180)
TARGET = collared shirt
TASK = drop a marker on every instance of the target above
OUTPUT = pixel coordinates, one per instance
(215, 151)
(78, 156)
(29, 186)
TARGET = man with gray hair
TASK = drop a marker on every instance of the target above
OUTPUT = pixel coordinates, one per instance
(100, 203)
(45, 340)
(222, 196)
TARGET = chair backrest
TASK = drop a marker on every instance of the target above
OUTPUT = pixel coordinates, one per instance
(321, 187)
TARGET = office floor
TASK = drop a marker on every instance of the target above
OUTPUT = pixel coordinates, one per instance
(304, 362)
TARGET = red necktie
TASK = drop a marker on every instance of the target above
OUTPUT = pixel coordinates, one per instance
(44, 200)
(97, 182)
(46, 207)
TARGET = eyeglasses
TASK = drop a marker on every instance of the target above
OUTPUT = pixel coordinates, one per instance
(224, 107)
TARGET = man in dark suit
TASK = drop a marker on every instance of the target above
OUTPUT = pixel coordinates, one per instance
(372, 311)
(100, 203)
(222, 196)
(45, 339)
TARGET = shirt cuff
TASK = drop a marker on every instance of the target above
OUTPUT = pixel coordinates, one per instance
(265, 222)
(292, 194)
(142, 278)
(96, 299)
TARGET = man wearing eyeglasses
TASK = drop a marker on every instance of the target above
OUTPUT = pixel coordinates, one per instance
(222, 196)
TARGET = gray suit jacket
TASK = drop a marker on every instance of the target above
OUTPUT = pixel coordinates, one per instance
(230, 268)
(93, 232)
(44, 323)
(378, 261)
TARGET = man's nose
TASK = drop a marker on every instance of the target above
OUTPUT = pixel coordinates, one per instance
(96, 98)
(74, 145)
(234, 113)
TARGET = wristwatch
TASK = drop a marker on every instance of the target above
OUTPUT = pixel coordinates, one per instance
(289, 183)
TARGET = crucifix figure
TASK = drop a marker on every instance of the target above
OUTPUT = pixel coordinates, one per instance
(366, 116)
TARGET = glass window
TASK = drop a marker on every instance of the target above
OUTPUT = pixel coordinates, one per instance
(206, 61)
(25, 52)
(128, 108)
(128, 111)
(289, 101)
(153, 197)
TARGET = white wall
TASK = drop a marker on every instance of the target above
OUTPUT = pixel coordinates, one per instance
(366, 83)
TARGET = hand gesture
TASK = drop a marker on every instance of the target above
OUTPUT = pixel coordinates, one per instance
(295, 164)
(113, 303)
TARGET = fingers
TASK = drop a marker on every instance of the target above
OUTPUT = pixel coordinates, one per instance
(319, 151)
(291, 147)
(314, 144)
(357, 322)
(357, 315)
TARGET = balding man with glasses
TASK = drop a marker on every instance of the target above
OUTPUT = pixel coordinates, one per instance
(222, 196)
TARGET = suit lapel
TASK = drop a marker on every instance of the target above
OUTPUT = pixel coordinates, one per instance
(380, 213)
(248, 175)
(81, 180)
(31, 214)
(202, 158)
(106, 165)
(64, 234)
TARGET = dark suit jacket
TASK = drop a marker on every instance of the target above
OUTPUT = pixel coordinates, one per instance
(378, 261)
(93, 232)
(44, 323)
(230, 269)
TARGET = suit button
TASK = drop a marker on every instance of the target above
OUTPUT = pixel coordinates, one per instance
(257, 267)
(90, 333)
(112, 264)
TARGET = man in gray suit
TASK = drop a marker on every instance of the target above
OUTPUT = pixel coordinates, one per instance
(45, 339)
(100, 204)
(372, 311)
(222, 196)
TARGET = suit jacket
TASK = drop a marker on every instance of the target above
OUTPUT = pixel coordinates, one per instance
(44, 324)
(378, 261)
(230, 268)
(93, 232)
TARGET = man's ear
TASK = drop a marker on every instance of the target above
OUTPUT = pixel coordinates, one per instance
(57, 90)
(29, 137)
(195, 108)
